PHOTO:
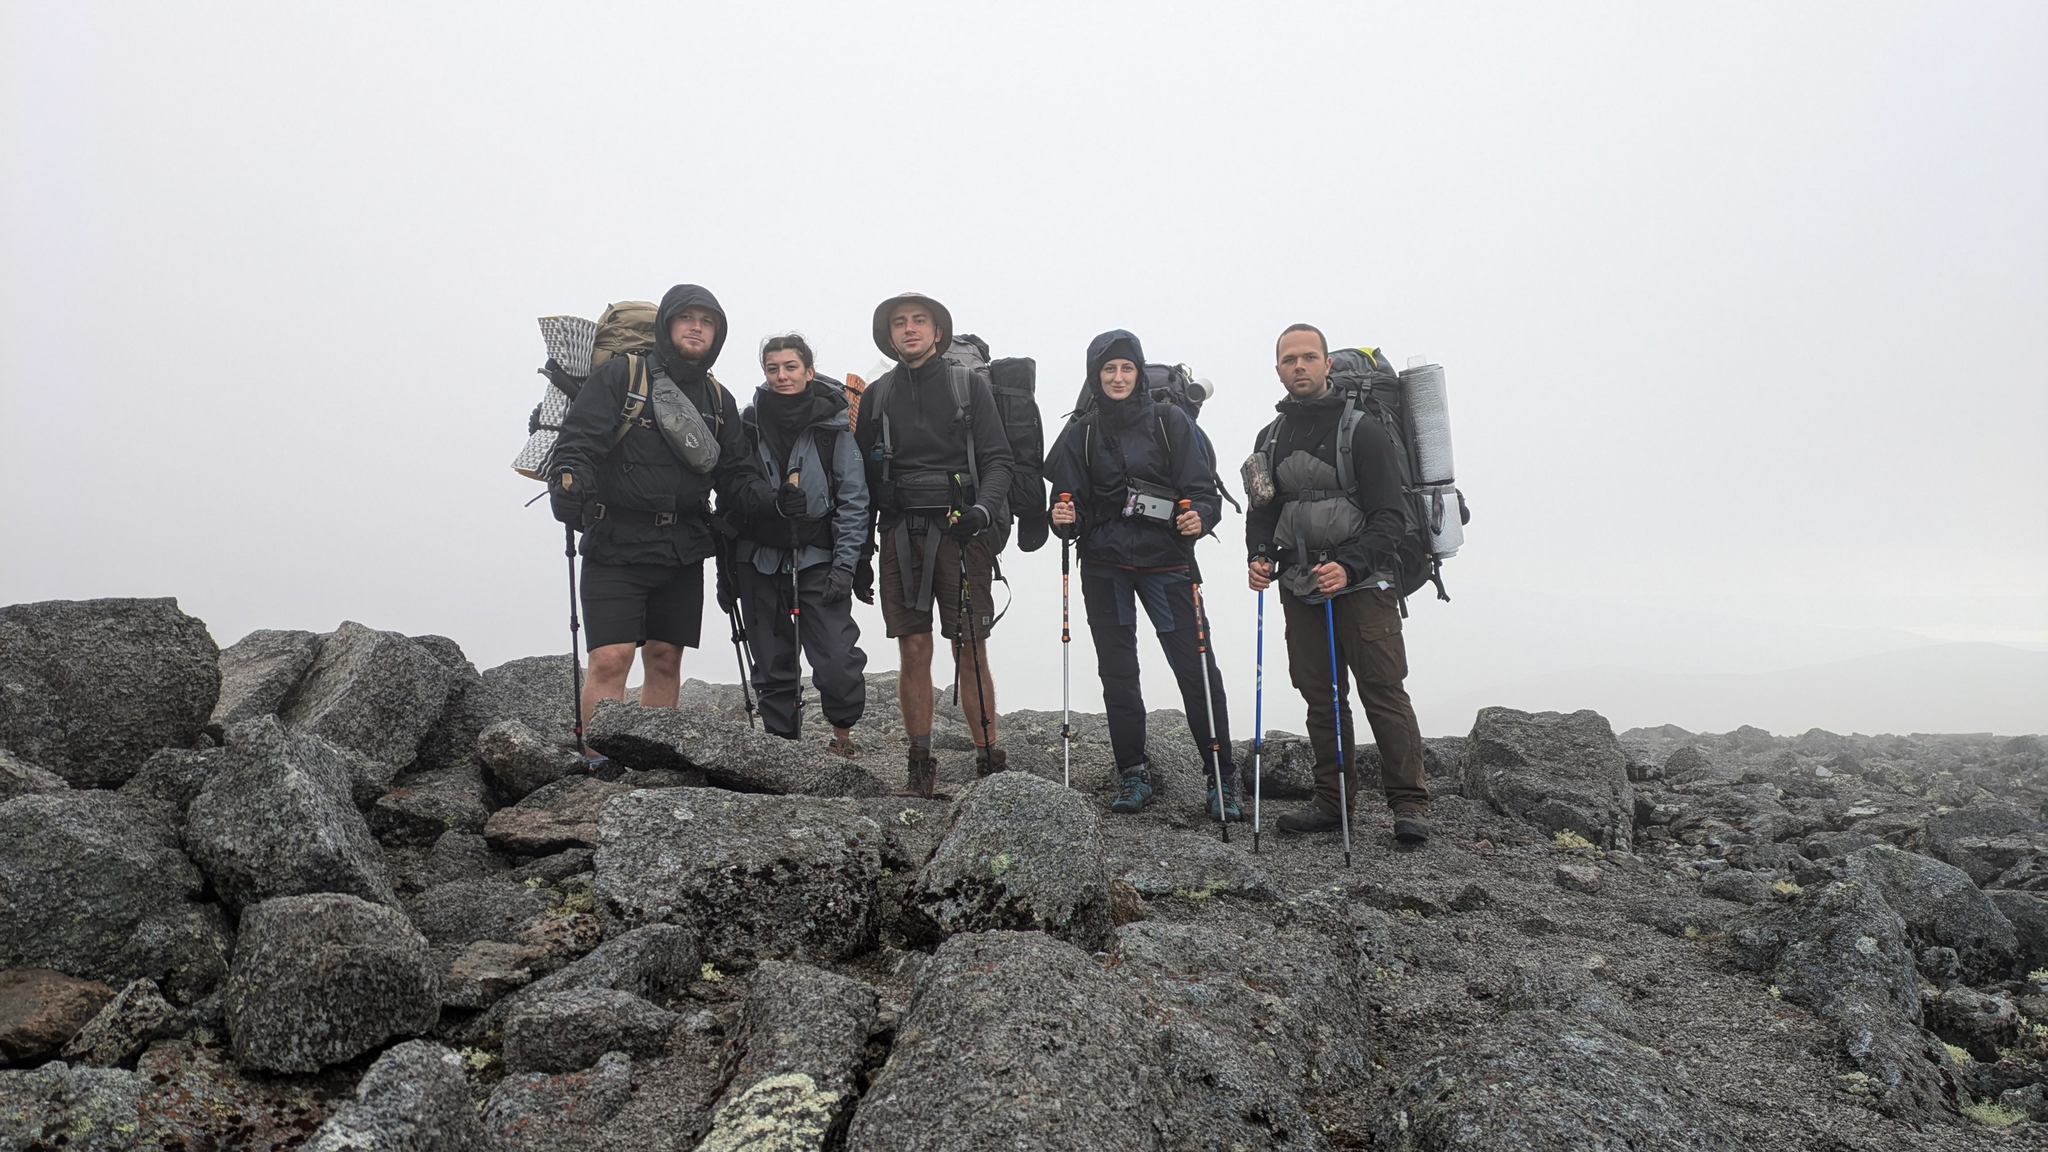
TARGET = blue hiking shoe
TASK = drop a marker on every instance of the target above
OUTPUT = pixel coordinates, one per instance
(1230, 809)
(1133, 798)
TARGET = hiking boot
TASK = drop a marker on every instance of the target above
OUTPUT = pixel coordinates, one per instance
(846, 747)
(1411, 825)
(989, 760)
(1314, 818)
(1230, 809)
(603, 767)
(923, 776)
(1134, 797)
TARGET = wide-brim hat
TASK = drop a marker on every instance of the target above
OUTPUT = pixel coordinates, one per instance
(940, 316)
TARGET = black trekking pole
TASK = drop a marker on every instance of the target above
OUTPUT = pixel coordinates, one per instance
(1066, 658)
(575, 643)
(1337, 721)
(967, 622)
(735, 616)
(1208, 699)
(796, 611)
(1258, 716)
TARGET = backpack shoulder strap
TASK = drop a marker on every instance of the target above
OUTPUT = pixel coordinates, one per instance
(1347, 435)
(637, 391)
(962, 381)
(827, 441)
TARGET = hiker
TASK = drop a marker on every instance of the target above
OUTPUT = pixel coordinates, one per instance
(636, 474)
(797, 426)
(938, 465)
(1129, 464)
(1324, 546)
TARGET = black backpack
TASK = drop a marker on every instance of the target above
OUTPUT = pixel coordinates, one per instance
(1014, 382)
(1371, 388)
(1173, 384)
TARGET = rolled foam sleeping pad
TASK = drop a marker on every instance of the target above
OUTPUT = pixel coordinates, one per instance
(570, 342)
(1429, 423)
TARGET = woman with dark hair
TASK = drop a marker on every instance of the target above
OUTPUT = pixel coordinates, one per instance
(794, 574)
(1143, 492)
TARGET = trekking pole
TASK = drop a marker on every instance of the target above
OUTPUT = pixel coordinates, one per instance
(1208, 699)
(1258, 716)
(575, 641)
(1066, 659)
(735, 616)
(973, 646)
(796, 610)
(1337, 720)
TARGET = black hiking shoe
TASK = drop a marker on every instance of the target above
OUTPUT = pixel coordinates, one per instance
(1411, 826)
(1313, 818)
(1134, 797)
(922, 780)
(989, 760)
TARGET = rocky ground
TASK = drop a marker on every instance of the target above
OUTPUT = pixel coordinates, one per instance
(343, 891)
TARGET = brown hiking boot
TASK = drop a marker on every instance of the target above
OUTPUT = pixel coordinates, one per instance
(846, 747)
(1411, 824)
(923, 778)
(989, 761)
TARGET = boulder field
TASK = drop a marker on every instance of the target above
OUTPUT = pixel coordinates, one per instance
(343, 891)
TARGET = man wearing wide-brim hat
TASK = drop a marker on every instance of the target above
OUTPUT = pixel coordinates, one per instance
(939, 476)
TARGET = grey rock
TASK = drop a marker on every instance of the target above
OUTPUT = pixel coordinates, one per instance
(1023, 853)
(415, 1098)
(1984, 839)
(119, 1032)
(427, 806)
(1842, 952)
(543, 1112)
(557, 867)
(554, 818)
(752, 877)
(800, 1019)
(1576, 1085)
(2028, 915)
(176, 775)
(1559, 772)
(92, 883)
(1738, 885)
(1940, 908)
(259, 672)
(730, 754)
(324, 978)
(485, 971)
(371, 692)
(90, 688)
(1195, 866)
(519, 760)
(463, 856)
(655, 963)
(1981, 1023)
(42, 1010)
(537, 691)
(94, 1109)
(1286, 769)
(18, 777)
(564, 1031)
(459, 912)
(786, 1113)
(451, 740)
(276, 818)
(1017, 1040)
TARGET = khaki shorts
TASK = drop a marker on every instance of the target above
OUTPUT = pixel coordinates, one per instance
(901, 619)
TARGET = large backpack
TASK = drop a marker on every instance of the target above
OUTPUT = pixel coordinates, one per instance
(576, 347)
(1173, 384)
(1433, 515)
(1014, 382)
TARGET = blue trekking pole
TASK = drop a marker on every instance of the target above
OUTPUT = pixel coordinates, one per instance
(1258, 715)
(1337, 720)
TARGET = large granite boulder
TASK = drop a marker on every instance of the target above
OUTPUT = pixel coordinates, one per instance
(451, 738)
(564, 1031)
(519, 760)
(1940, 909)
(655, 963)
(428, 805)
(1562, 773)
(18, 777)
(552, 1112)
(1017, 1040)
(121, 1029)
(1023, 853)
(277, 818)
(2027, 912)
(415, 1098)
(324, 978)
(554, 817)
(92, 883)
(731, 755)
(377, 693)
(89, 688)
(259, 672)
(753, 877)
(462, 911)
(799, 1022)
(87, 1109)
(42, 1010)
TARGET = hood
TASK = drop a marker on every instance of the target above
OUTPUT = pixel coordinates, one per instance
(781, 419)
(674, 301)
(1117, 344)
(940, 315)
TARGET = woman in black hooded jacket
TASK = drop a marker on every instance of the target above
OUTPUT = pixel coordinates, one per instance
(1128, 464)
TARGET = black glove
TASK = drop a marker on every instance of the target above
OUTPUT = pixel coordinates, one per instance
(970, 524)
(567, 505)
(838, 584)
(790, 501)
(864, 579)
(728, 593)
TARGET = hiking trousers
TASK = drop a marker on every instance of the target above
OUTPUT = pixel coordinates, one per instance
(1110, 596)
(1370, 651)
(831, 642)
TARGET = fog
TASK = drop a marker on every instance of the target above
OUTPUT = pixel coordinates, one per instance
(1742, 307)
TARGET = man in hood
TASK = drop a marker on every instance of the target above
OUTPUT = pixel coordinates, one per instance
(637, 471)
(938, 464)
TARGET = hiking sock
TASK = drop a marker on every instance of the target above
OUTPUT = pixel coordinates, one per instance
(923, 741)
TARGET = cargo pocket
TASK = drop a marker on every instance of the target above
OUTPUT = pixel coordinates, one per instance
(1378, 652)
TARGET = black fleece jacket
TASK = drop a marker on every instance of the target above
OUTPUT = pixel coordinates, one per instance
(641, 473)
(1311, 426)
(929, 443)
(1097, 456)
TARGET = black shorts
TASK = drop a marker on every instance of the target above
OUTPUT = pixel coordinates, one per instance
(635, 603)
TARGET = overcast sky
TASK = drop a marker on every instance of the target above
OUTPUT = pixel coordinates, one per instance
(1742, 307)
